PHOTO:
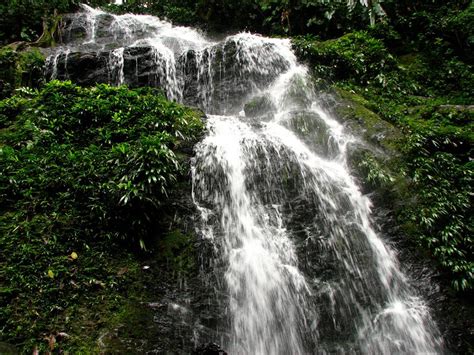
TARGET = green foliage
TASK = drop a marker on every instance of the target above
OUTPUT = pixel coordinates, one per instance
(356, 56)
(179, 11)
(83, 170)
(438, 156)
(422, 23)
(319, 16)
(23, 19)
(270, 16)
(19, 68)
(373, 173)
(416, 21)
(452, 76)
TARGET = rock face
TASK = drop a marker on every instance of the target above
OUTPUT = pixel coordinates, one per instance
(209, 78)
(312, 129)
(82, 68)
(178, 310)
(140, 50)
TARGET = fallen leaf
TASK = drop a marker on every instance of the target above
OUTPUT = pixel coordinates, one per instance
(73, 255)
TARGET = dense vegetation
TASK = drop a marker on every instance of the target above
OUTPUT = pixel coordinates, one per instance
(84, 174)
(19, 68)
(421, 82)
(24, 20)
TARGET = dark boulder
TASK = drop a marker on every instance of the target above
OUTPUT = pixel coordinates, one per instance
(83, 68)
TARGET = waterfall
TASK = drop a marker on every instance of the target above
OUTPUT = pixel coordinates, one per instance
(297, 255)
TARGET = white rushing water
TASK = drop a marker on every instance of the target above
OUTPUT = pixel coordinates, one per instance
(303, 267)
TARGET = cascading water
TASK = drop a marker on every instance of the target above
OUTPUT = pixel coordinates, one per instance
(302, 266)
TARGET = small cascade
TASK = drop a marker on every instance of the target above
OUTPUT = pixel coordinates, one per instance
(92, 23)
(116, 66)
(298, 264)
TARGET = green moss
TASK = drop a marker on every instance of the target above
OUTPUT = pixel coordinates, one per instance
(50, 27)
(19, 68)
(372, 127)
(409, 59)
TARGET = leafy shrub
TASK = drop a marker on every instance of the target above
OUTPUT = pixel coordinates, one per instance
(183, 12)
(111, 146)
(83, 170)
(437, 157)
(374, 175)
(356, 56)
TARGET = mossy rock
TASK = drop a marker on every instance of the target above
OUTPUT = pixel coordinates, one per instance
(258, 106)
(375, 159)
(19, 67)
(313, 130)
(370, 126)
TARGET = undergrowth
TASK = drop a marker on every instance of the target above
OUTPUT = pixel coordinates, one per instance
(84, 173)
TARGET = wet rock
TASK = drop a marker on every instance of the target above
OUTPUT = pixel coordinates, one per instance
(82, 68)
(220, 78)
(259, 106)
(73, 28)
(209, 349)
(350, 109)
(313, 130)
(86, 68)
(140, 67)
(82, 28)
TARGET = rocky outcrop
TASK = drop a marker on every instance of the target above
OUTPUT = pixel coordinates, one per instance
(208, 78)
(218, 77)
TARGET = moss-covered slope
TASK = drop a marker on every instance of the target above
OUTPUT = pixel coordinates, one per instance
(85, 175)
(387, 94)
